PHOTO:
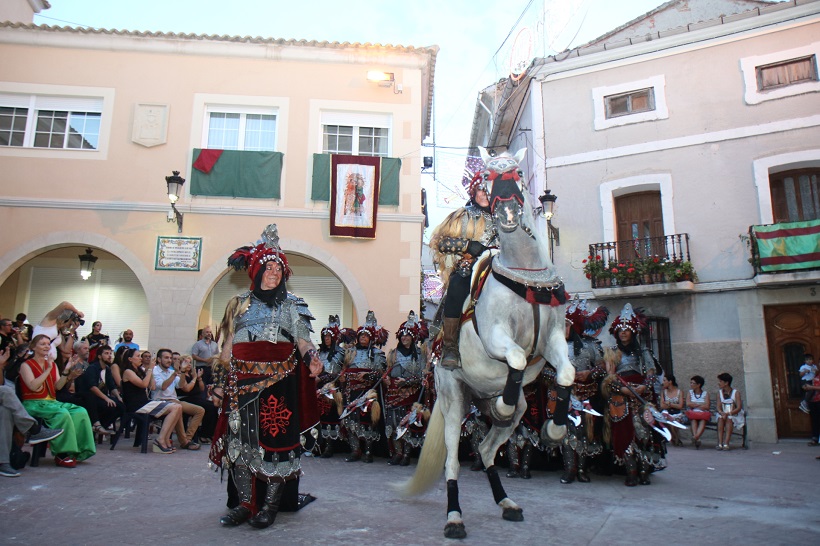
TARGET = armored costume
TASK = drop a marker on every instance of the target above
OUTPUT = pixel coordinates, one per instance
(628, 382)
(583, 439)
(474, 428)
(269, 397)
(457, 242)
(329, 399)
(406, 407)
(360, 382)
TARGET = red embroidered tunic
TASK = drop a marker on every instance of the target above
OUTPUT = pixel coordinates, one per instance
(47, 390)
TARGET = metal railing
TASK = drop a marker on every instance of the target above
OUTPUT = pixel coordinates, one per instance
(649, 260)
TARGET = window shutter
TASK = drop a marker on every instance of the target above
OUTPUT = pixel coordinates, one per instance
(69, 104)
(323, 296)
(320, 189)
(389, 183)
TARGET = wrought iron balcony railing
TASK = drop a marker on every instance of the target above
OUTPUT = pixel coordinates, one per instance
(650, 260)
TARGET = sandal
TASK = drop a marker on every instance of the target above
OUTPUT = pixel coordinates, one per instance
(157, 448)
(99, 429)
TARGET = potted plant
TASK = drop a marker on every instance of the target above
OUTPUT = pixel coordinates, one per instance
(681, 270)
(596, 271)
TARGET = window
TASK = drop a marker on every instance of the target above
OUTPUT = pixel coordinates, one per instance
(657, 338)
(786, 73)
(624, 104)
(32, 121)
(795, 195)
(231, 128)
(630, 102)
(345, 139)
(781, 74)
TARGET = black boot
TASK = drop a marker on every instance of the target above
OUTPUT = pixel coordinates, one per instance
(394, 448)
(512, 455)
(244, 488)
(526, 457)
(405, 455)
(631, 470)
(355, 450)
(450, 357)
(368, 450)
(478, 464)
(327, 449)
(583, 473)
(643, 475)
(570, 464)
(266, 516)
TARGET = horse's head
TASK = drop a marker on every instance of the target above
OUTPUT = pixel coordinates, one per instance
(503, 178)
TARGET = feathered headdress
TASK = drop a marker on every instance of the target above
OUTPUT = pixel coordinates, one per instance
(253, 258)
(378, 335)
(630, 319)
(332, 329)
(585, 321)
(414, 328)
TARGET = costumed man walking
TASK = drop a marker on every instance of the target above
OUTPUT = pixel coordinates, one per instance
(404, 400)
(360, 381)
(457, 242)
(332, 355)
(625, 388)
(269, 395)
(583, 439)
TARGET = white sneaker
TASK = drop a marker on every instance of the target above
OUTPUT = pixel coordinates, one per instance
(804, 407)
(8, 471)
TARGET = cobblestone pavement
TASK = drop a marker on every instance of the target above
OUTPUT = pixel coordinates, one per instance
(764, 495)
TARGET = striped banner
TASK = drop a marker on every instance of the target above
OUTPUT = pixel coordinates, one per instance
(788, 246)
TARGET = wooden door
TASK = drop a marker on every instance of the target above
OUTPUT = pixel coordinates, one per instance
(640, 225)
(791, 331)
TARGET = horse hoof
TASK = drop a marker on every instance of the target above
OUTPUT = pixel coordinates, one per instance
(513, 514)
(455, 530)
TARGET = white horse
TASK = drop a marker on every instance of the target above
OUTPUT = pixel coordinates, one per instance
(518, 325)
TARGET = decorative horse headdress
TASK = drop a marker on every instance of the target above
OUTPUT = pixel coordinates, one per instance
(630, 319)
(584, 320)
(253, 258)
(378, 335)
(414, 328)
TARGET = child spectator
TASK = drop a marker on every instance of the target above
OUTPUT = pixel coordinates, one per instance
(807, 372)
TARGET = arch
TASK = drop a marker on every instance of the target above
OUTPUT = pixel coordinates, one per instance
(212, 275)
(648, 182)
(765, 166)
(27, 250)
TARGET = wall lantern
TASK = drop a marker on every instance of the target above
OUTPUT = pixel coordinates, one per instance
(175, 183)
(384, 79)
(87, 262)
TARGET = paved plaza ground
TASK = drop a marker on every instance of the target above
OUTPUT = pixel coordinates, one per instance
(768, 494)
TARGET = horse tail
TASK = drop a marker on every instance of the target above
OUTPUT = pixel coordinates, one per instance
(431, 461)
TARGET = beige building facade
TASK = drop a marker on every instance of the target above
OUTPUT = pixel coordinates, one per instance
(95, 120)
(676, 107)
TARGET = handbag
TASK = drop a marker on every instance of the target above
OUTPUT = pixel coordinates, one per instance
(155, 408)
(698, 415)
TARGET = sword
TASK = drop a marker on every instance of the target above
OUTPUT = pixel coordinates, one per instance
(410, 418)
(658, 417)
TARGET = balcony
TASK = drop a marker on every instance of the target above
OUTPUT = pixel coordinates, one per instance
(650, 260)
(787, 247)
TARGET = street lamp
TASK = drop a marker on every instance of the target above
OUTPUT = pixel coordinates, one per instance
(548, 200)
(175, 183)
(87, 262)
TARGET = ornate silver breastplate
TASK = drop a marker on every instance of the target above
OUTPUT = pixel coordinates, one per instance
(363, 359)
(629, 363)
(263, 323)
(331, 361)
(407, 367)
(585, 360)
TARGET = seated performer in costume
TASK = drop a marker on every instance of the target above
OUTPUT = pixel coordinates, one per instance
(360, 382)
(405, 407)
(332, 355)
(463, 236)
(625, 389)
(269, 398)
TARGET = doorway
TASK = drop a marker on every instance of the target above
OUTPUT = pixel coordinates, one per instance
(639, 218)
(791, 331)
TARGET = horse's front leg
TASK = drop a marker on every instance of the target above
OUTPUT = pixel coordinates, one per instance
(502, 347)
(564, 378)
(489, 447)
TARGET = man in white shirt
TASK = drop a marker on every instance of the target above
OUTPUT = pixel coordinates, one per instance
(202, 351)
(167, 379)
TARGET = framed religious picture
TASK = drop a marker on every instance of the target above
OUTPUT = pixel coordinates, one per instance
(179, 253)
(354, 196)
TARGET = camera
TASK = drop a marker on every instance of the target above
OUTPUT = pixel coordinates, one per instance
(76, 318)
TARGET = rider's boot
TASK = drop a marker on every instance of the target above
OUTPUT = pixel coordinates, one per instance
(570, 464)
(512, 454)
(526, 457)
(583, 471)
(450, 357)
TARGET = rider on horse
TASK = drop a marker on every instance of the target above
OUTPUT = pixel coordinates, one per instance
(457, 242)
